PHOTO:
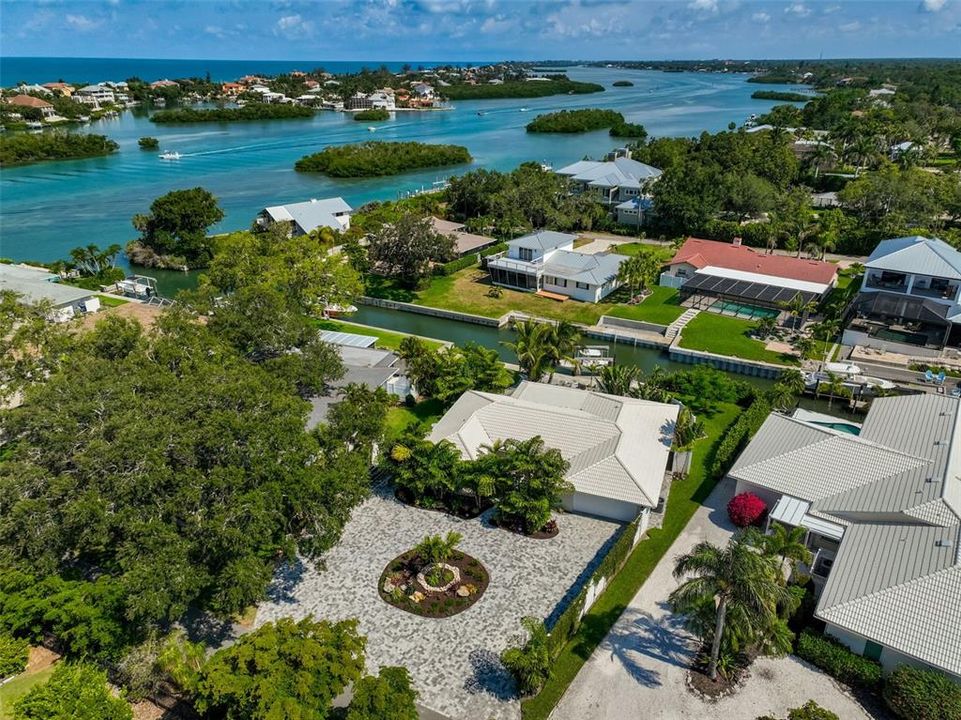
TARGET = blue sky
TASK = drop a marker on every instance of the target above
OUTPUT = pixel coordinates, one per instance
(479, 29)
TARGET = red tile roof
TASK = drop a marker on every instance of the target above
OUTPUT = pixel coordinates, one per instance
(703, 253)
(27, 101)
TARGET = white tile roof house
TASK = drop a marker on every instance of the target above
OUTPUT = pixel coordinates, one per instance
(888, 502)
(310, 215)
(618, 448)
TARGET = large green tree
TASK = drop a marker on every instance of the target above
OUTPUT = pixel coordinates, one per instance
(75, 691)
(284, 669)
(404, 249)
(177, 225)
(385, 696)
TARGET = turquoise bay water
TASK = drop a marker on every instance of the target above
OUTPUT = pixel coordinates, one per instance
(49, 208)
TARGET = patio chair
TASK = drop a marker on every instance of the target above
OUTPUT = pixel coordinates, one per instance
(940, 378)
(928, 375)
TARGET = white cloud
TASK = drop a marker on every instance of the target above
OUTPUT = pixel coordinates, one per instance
(761, 17)
(294, 26)
(704, 5)
(933, 5)
(81, 23)
(799, 9)
(496, 24)
(850, 27)
(215, 30)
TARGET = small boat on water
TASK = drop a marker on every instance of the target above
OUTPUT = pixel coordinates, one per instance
(523, 109)
(850, 375)
(334, 310)
(481, 113)
(169, 155)
(371, 128)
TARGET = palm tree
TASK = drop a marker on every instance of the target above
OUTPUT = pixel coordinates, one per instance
(562, 340)
(618, 379)
(785, 543)
(822, 155)
(435, 549)
(531, 348)
(738, 580)
(792, 380)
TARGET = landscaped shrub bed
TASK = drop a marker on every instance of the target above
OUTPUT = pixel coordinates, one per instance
(399, 586)
(738, 436)
(838, 661)
(516, 525)
(920, 694)
(462, 506)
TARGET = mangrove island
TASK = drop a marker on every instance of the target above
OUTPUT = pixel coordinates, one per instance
(373, 159)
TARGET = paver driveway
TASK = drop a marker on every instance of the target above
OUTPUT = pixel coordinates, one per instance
(642, 663)
(454, 660)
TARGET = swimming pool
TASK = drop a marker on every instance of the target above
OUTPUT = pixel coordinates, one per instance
(746, 312)
(840, 427)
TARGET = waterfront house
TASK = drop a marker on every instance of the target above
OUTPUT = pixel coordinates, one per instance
(721, 276)
(909, 299)
(36, 89)
(363, 365)
(157, 84)
(359, 101)
(305, 217)
(882, 515)
(64, 89)
(38, 285)
(29, 101)
(618, 447)
(464, 242)
(612, 181)
(545, 262)
(423, 91)
(94, 95)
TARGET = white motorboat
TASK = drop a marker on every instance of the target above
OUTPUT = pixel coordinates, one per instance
(371, 128)
(169, 155)
(523, 109)
(852, 381)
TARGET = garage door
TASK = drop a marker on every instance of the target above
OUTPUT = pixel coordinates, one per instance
(602, 507)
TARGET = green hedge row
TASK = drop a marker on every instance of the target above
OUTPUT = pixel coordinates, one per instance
(455, 265)
(493, 249)
(739, 435)
(568, 622)
(920, 694)
(838, 661)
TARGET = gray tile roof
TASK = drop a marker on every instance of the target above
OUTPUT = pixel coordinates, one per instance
(311, 214)
(897, 488)
(583, 267)
(617, 447)
(543, 240)
(917, 255)
(362, 366)
(620, 172)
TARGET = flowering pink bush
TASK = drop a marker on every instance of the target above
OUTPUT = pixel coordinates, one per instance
(746, 509)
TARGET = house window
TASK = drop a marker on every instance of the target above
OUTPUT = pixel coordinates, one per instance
(872, 650)
(582, 286)
(526, 254)
(560, 282)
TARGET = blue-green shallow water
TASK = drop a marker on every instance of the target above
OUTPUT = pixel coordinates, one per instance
(49, 208)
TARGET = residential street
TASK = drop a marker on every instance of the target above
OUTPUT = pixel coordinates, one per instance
(639, 669)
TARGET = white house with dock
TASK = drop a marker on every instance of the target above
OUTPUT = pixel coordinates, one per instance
(38, 285)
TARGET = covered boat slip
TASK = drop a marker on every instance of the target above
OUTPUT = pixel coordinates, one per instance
(733, 296)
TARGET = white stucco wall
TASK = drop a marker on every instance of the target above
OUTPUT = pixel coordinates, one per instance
(601, 507)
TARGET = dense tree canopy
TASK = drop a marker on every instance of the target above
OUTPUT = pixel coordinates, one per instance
(24, 148)
(75, 691)
(251, 111)
(385, 696)
(176, 468)
(285, 669)
(575, 121)
(405, 248)
(373, 159)
(177, 225)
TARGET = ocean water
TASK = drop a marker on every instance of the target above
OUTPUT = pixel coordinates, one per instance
(48, 208)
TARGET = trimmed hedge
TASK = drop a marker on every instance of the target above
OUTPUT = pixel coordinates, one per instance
(493, 249)
(838, 661)
(921, 694)
(455, 265)
(739, 436)
(569, 621)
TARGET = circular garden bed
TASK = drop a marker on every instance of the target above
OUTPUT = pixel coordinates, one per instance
(435, 590)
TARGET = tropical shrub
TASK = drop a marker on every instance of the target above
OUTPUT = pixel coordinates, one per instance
(530, 663)
(284, 669)
(13, 655)
(435, 549)
(386, 696)
(75, 691)
(808, 711)
(746, 509)
(922, 694)
(838, 661)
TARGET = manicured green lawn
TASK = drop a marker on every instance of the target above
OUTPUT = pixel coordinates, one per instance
(725, 335)
(665, 253)
(386, 339)
(662, 306)
(685, 497)
(111, 301)
(401, 417)
(466, 291)
(18, 687)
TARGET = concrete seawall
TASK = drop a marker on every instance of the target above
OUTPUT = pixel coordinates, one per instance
(753, 368)
(435, 312)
